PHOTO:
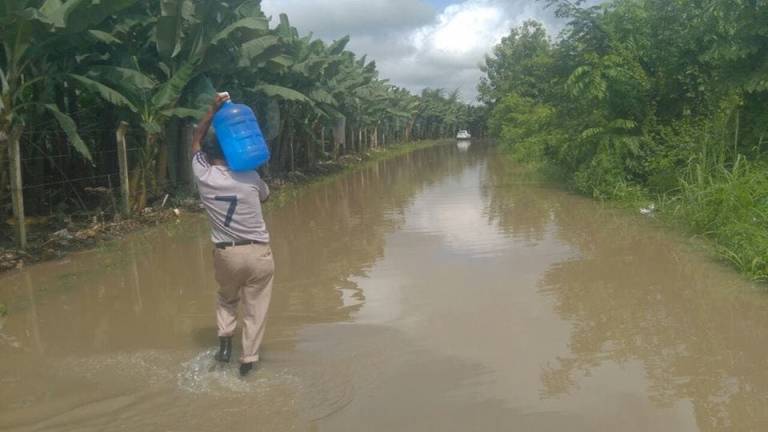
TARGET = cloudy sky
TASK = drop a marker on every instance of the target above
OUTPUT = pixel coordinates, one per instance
(416, 43)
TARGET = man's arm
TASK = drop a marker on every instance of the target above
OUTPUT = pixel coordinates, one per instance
(205, 122)
(263, 189)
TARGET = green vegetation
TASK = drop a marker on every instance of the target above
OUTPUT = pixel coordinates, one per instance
(71, 70)
(648, 100)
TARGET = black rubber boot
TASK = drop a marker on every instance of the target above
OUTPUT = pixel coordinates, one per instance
(245, 368)
(225, 349)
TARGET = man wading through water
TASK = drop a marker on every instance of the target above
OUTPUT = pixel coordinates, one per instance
(242, 258)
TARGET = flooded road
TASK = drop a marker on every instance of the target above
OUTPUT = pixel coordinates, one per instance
(442, 291)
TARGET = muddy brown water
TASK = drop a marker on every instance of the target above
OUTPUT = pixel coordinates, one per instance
(441, 291)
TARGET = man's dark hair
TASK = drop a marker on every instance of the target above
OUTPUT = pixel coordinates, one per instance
(211, 147)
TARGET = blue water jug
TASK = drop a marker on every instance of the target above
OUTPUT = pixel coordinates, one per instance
(240, 137)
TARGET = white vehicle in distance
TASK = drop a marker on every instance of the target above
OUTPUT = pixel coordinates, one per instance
(463, 135)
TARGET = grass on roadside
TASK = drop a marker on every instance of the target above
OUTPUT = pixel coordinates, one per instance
(726, 205)
(729, 206)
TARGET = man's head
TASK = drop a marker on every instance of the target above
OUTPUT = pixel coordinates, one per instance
(212, 148)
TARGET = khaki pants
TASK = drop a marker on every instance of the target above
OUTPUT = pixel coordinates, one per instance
(244, 273)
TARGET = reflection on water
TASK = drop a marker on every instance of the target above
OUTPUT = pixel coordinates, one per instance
(698, 335)
(445, 290)
(635, 298)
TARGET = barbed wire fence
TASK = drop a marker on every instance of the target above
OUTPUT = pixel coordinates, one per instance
(45, 180)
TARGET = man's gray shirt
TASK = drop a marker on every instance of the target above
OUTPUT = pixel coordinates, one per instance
(232, 201)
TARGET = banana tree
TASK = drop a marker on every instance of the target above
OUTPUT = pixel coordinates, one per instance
(152, 102)
(295, 79)
(213, 34)
(31, 33)
(148, 80)
(351, 75)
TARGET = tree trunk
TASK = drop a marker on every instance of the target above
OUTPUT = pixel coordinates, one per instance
(317, 141)
(736, 136)
(17, 192)
(4, 166)
(310, 142)
(141, 180)
(185, 174)
(322, 139)
(175, 153)
(409, 130)
(339, 136)
(278, 150)
(122, 156)
(161, 166)
(290, 146)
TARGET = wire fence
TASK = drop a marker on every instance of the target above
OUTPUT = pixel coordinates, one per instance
(73, 155)
(69, 181)
(53, 130)
(115, 175)
(55, 173)
(49, 177)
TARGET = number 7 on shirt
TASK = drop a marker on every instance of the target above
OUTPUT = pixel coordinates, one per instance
(232, 200)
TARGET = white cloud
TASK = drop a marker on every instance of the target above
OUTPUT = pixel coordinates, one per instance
(336, 18)
(414, 45)
(451, 48)
(462, 31)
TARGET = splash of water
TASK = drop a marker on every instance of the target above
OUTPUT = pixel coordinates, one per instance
(202, 374)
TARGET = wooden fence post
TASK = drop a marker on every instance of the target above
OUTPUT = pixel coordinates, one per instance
(17, 191)
(122, 158)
